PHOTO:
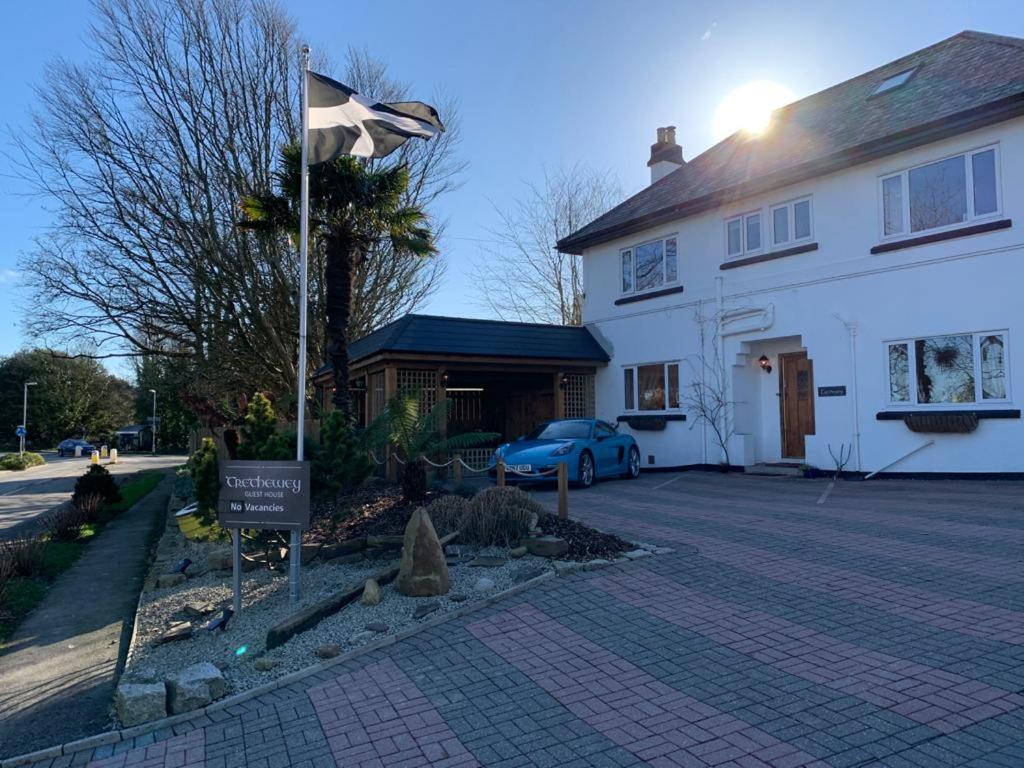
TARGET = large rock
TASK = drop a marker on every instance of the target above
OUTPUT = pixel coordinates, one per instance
(219, 560)
(168, 580)
(194, 687)
(423, 571)
(371, 593)
(546, 546)
(140, 703)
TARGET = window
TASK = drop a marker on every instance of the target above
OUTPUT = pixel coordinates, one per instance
(652, 387)
(743, 234)
(649, 266)
(894, 82)
(942, 194)
(791, 222)
(959, 369)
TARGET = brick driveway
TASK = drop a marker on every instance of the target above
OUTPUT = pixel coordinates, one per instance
(884, 627)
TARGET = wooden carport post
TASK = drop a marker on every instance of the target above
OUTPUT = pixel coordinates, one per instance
(500, 467)
(390, 390)
(563, 490)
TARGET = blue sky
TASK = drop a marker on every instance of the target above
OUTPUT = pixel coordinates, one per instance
(540, 84)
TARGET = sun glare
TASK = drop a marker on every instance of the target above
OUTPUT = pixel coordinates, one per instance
(749, 108)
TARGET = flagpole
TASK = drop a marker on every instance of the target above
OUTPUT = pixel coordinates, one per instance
(295, 554)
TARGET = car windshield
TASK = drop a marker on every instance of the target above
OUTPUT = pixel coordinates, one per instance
(561, 430)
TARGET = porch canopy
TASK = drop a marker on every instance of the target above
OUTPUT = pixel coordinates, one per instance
(499, 376)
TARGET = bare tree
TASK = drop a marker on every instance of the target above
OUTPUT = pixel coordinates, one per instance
(706, 397)
(523, 277)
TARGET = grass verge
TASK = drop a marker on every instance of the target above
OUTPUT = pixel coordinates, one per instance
(20, 595)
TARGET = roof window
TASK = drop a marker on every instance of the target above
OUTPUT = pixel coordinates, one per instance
(894, 82)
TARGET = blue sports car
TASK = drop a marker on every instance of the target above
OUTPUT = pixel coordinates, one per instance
(591, 448)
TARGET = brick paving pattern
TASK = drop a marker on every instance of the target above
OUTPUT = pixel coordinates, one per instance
(883, 628)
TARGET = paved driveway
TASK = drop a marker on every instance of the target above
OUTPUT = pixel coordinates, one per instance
(883, 626)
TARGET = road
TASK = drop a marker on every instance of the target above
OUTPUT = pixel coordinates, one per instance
(24, 496)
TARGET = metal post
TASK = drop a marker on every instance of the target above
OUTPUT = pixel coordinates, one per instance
(295, 548)
(236, 568)
(154, 420)
(24, 415)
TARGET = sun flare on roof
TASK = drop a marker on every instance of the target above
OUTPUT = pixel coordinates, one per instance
(749, 108)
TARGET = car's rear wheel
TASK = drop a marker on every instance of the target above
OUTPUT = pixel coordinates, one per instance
(585, 476)
(632, 464)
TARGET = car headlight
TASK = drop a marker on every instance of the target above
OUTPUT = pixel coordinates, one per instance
(562, 450)
(499, 452)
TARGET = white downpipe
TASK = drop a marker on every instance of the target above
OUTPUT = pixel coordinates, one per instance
(851, 328)
(726, 383)
(906, 455)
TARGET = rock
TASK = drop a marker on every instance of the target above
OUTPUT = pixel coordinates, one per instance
(349, 547)
(377, 627)
(194, 687)
(534, 520)
(517, 552)
(547, 546)
(168, 580)
(198, 611)
(371, 593)
(426, 609)
(140, 703)
(482, 561)
(328, 651)
(563, 568)
(180, 631)
(593, 565)
(636, 554)
(219, 560)
(361, 637)
(483, 584)
(265, 664)
(458, 598)
(453, 550)
(664, 551)
(422, 571)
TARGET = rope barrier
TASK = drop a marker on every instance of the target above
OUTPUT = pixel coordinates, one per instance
(471, 469)
(439, 466)
(378, 462)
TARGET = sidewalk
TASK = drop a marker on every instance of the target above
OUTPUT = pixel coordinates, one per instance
(58, 672)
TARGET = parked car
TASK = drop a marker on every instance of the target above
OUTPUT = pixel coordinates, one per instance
(67, 447)
(591, 448)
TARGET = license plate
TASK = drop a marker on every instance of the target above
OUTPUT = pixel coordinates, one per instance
(520, 467)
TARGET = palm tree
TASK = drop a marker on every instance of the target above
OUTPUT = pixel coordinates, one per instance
(351, 208)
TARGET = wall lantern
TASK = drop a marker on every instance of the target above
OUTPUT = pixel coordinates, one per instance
(765, 363)
(444, 379)
(564, 381)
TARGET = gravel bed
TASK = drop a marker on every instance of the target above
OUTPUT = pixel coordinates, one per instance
(265, 602)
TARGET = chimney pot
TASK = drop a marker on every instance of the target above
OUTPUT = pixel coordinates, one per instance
(666, 155)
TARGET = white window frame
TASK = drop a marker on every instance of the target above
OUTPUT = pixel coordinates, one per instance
(904, 176)
(631, 250)
(978, 403)
(635, 408)
(745, 250)
(790, 206)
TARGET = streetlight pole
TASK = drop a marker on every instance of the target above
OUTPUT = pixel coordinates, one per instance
(154, 420)
(24, 414)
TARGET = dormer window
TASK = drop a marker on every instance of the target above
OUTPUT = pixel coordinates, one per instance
(895, 81)
(649, 266)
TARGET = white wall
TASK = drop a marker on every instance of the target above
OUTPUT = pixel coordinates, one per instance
(959, 285)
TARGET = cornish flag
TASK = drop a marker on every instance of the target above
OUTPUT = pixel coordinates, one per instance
(341, 122)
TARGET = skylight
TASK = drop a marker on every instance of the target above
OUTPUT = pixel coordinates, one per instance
(894, 82)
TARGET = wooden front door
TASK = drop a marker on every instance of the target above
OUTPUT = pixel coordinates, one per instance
(796, 389)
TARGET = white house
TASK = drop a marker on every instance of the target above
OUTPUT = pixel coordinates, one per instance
(857, 268)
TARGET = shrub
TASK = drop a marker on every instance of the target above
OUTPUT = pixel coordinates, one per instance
(18, 461)
(259, 429)
(65, 522)
(498, 516)
(341, 463)
(465, 490)
(22, 557)
(447, 513)
(90, 507)
(205, 473)
(97, 481)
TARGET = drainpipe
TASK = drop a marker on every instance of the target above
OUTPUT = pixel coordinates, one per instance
(720, 279)
(851, 328)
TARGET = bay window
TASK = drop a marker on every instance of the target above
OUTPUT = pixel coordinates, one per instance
(942, 194)
(958, 369)
(649, 266)
(651, 387)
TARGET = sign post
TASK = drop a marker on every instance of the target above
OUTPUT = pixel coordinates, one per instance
(262, 494)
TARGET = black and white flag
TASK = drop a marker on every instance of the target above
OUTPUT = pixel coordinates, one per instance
(341, 122)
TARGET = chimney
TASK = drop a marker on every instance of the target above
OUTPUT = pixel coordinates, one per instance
(666, 155)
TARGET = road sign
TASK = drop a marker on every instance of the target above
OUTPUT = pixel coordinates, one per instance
(264, 494)
(20, 431)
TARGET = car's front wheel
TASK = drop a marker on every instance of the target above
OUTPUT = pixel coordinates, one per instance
(632, 464)
(585, 477)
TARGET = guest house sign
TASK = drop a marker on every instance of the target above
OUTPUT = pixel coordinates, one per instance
(264, 494)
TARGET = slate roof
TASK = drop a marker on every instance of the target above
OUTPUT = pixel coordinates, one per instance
(965, 81)
(464, 336)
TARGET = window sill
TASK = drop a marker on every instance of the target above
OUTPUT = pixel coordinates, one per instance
(981, 413)
(649, 295)
(650, 421)
(794, 251)
(952, 234)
